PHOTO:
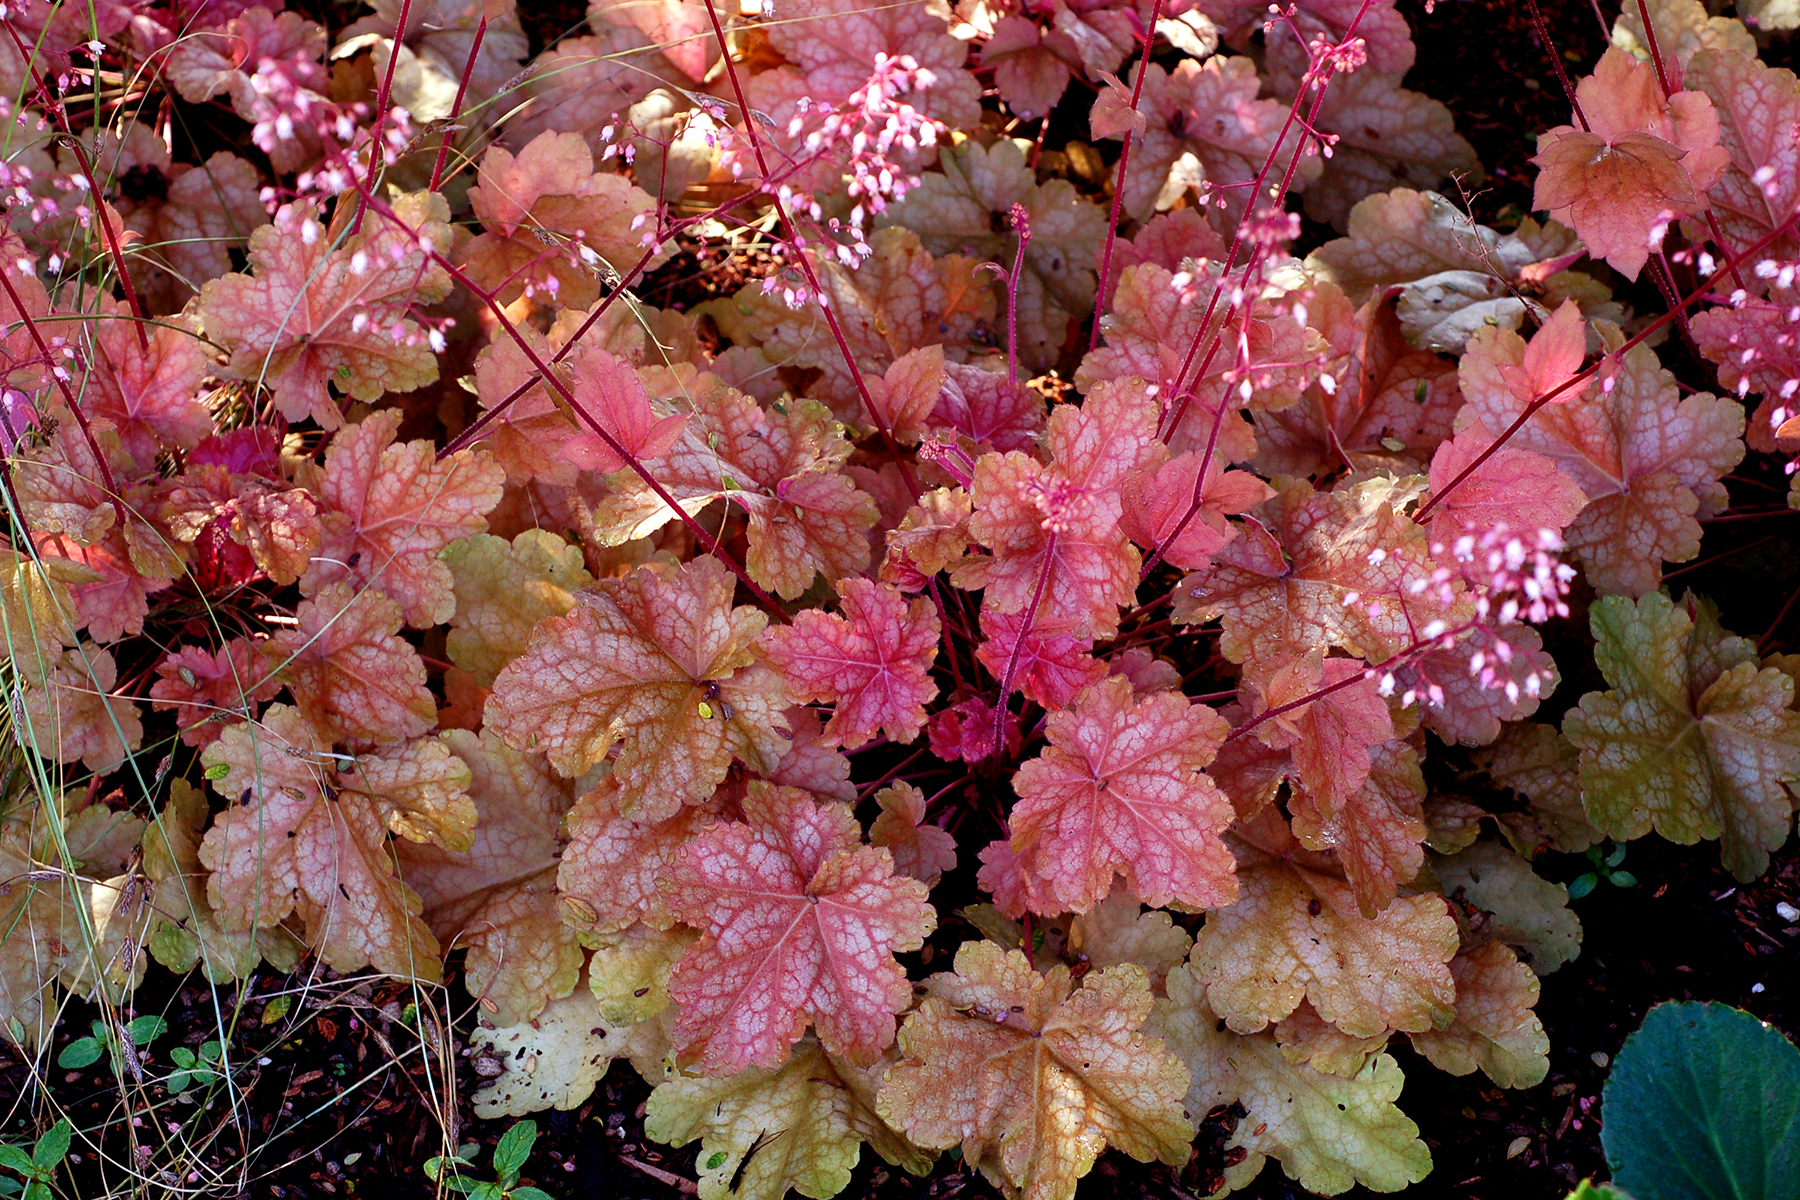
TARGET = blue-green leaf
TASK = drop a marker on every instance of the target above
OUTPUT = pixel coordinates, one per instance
(1704, 1104)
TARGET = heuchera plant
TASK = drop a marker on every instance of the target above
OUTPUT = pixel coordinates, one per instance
(966, 685)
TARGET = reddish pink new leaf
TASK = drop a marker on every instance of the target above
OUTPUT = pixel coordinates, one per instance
(964, 732)
(610, 391)
(1049, 665)
(1157, 502)
(1330, 736)
(902, 400)
(1376, 835)
(801, 922)
(1054, 529)
(1016, 891)
(920, 850)
(978, 403)
(1648, 458)
(1031, 66)
(781, 466)
(872, 664)
(1516, 490)
(349, 673)
(1643, 158)
(391, 508)
(1120, 790)
(212, 689)
(1470, 705)
(151, 398)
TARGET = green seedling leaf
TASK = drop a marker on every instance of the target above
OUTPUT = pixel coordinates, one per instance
(513, 1148)
(53, 1146)
(82, 1052)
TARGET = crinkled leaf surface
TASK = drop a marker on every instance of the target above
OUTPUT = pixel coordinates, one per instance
(659, 664)
(801, 922)
(1693, 740)
(1033, 1079)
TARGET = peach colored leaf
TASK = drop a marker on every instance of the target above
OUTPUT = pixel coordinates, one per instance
(1297, 933)
(1648, 458)
(37, 609)
(1321, 569)
(70, 713)
(801, 922)
(1683, 29)
(1119, 930)
(1693, 739)
(962, 210)
(872, 663)
(1119, 790)
(922, 851)
(1640, 158)
(1375, 402)
(1003, 875)
(1757, 107)
(389, 509)
(290, 849)
(1517, 905)
(420, 789)
(348, 672)
(1053, 529)
(932, 536)
(762, 1131)
(1329, 1132)
(781, 466)
(903, 398)
(1305, 1037)
(1495, 1028)
(318, 310)
(1206, 128)
(210, 689)
(1154, 320)
(503, 590)
(1031, 65)
(1537, 762)
(552, 226)
(184, 933)
(152, 399)
(74, 920)
(1049, 667)
(660, 663)
(498, 898)
(1386, 136)
(611, 864)
(1376, 835)
(1034, 1079)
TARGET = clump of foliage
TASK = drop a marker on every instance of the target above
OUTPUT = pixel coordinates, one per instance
(969, 686)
